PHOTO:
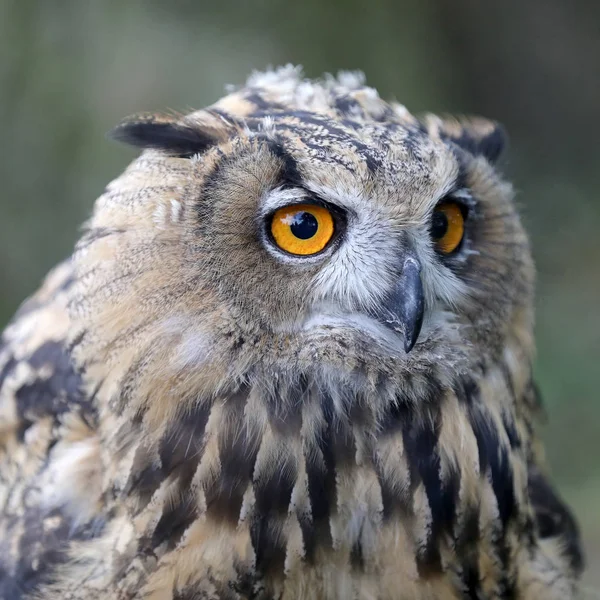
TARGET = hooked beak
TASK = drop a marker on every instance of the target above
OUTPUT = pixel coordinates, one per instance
(406, 304)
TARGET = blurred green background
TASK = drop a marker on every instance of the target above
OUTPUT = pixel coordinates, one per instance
(69, 71)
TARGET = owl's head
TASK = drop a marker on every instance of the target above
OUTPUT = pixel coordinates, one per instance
(300, 226)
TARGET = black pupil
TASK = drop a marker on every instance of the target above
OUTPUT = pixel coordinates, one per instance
(439, 225)
(304, 225)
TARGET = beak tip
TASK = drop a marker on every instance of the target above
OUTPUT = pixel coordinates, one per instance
(409, 344)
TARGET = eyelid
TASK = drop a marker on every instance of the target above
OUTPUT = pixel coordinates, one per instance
(281, 197)
(461, 196)
(462, 193)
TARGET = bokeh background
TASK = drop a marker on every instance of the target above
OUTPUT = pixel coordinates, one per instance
(70, 70)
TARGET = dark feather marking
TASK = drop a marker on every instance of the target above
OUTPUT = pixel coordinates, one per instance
(125, 437)
(347, 106)
(238, 448)
(507, 420)
(506, 583)
(420, 431)
(189, 592)
(470, 578)
(386, 115)
(420, 436)
(56, 394)
(553, 518)
(261, 104)
(357, 558)
(320, 472)
(78, 339)
(466, 542)
(182, 444)
(351, 124)
(392, 420)
(54, 354)
(393, 502)
(199, 592)
(509, 380)
(493, 458)
(225, 117)
(267, 539)
(338, 416)
(493, 455)
(325, 154)
(466, 390)
(490, 145)
(178, 139)
(273, 492)
(248, 582)
(370, 154)
(10, 365)
(176, 518)
(511, 431)
(290, 172)
(180, 451)
(145, 482)
(285, 407)
(413, 142)
(41, 551)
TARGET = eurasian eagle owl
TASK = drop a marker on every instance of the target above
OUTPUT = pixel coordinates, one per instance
(289, 358)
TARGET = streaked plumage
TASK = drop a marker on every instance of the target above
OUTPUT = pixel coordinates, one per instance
(187, 412)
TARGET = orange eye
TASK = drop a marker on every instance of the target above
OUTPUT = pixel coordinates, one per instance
(302, 229)
(447, 227)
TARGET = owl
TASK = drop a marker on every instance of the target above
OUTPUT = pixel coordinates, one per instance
(289, 358)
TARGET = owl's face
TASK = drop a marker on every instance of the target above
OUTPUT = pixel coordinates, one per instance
(281, 226)
(298, 244)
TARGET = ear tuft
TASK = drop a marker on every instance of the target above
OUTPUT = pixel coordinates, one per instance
(476, 135)
(163, 133)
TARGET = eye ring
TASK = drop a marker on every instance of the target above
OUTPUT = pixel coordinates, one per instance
(447, 226)
(302, 229)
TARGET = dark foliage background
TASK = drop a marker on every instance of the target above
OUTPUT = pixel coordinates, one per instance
(70, 70)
